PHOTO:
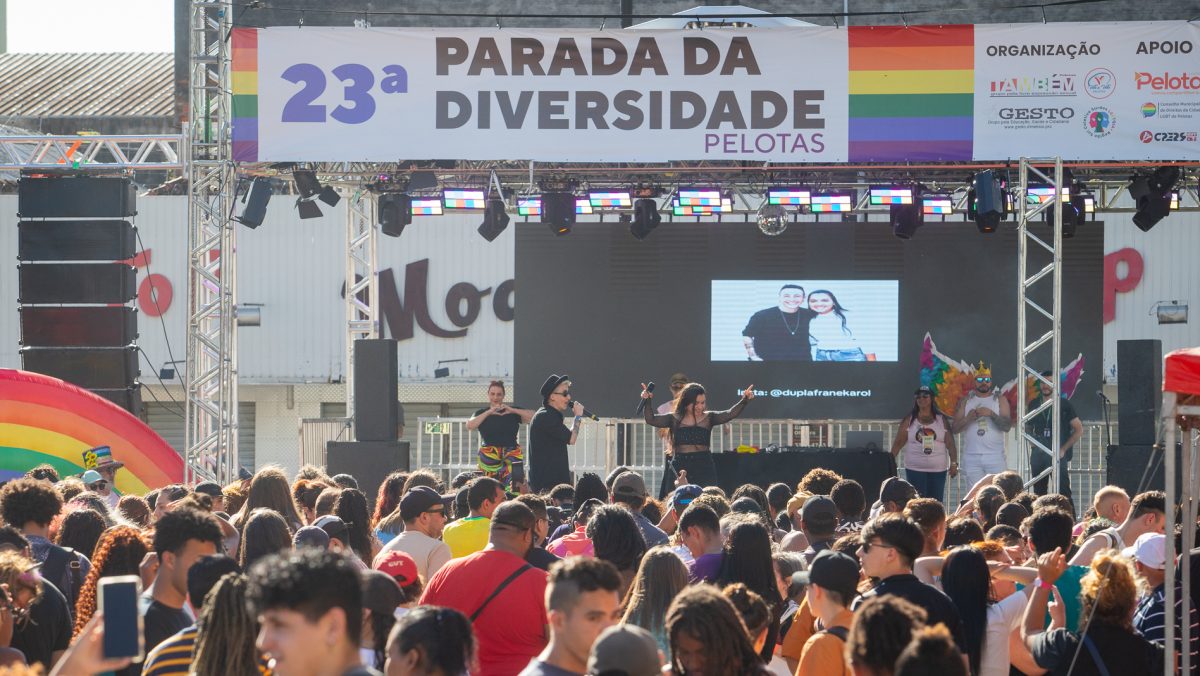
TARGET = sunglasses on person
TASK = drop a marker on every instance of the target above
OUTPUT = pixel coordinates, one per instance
(983, 380)
(565, 393)
(866, 546)
(97, 486)
(439, 510)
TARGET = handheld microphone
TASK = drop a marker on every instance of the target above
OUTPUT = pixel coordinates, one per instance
(1100, 393)
(642, 404)
(586, 413)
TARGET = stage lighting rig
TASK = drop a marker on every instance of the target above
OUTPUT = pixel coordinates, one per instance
(255, 200)
(645, 218)
(789, 196)
(1152, 194)
(937, 204)
(395, 212)
(893, 195)
(495, 219)
(306, 182)
(558, 211)
(986, 201)
(610, 199)
(831, 203)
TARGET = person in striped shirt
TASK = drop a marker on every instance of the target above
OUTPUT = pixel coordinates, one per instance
(1149, 556)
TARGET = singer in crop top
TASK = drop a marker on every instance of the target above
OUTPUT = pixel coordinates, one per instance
(690, 425)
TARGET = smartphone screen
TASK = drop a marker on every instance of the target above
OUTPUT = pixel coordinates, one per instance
(119, 599)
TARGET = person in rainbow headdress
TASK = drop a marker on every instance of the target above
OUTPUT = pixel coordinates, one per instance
(983, 418)
(100, 462)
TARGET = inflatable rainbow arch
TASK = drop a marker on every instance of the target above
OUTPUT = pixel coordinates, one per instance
(47, 420)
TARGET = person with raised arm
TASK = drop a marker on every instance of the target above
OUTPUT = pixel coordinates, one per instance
(691, 425)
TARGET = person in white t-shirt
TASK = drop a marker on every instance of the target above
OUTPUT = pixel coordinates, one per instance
(984, 418)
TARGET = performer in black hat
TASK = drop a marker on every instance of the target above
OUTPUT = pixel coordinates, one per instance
(549, 437)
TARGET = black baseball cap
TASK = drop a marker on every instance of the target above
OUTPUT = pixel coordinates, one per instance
(417, 501)
(817, 506)
(897, 490)
(209, 488)
(333, 526)
(832, 570)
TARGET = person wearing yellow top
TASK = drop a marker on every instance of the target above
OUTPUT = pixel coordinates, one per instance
(470, 535)
(832, 581)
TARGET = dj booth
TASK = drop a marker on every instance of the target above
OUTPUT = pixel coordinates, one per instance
(789, 464)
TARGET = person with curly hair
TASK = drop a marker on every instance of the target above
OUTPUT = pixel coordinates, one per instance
(119, 551)
(932, 651)
(756, 615)
(882, 628)
(80, 530)
(708, 637)
(31, 505)
(135, 510)
(1109, 594)
(181, 537)
(433, 641)
(819, 481)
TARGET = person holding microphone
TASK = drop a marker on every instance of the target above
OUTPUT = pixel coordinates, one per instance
(690, 425)
(549, 437)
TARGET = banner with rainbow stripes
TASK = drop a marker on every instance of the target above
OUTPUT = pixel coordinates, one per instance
(887, 94)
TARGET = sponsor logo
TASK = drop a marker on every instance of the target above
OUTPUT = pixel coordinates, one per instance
(1099, 122)
(1100, 83)
(1054, 84)
(1166, 47)
(1168, 136)
(1036, 113)
(1167, 82)
(1149, 109)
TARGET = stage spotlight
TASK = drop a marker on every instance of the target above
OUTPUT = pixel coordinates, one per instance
(255, 200)
(905, 219)
(1152, 194)
(306, 182)
(610, 199)
(464, 199)
(937, 205)
(831, 202)
(645, 218)
(495, 220)
(329, 195)
(892, 194)
(395, 212)
(986, 201)
(558, 211)
(789, 196)
(308, 209)
(772, 220)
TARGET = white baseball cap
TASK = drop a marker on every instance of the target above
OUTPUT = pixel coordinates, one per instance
(1150, 549)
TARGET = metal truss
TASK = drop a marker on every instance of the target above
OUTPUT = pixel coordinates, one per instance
(78, 152)
(1049, 274)
(211, 432)
(362, 287)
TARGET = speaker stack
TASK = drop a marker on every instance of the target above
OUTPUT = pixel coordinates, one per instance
(76, 285)
(377, 450)
(1135, 464)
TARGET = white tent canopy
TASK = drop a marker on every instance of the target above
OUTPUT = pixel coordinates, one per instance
(716, 15)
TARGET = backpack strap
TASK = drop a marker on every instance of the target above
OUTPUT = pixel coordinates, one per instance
(1096, 659)
(840, 632)
(500, 587)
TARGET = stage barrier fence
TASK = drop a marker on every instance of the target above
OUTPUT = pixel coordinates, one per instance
(446, 446)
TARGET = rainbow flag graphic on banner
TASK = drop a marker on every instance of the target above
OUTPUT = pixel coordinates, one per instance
(898, 76)
(245, 94)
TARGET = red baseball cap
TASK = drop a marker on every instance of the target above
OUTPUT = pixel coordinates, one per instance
(399, 565)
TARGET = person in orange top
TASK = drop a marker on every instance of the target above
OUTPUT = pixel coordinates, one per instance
(832, 581)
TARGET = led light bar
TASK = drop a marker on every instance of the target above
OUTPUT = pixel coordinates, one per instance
(426, 206)
(700, 197)
(1174, 200)
(789, 197)
(583, 205)
(464, 199)
(1041, 194)
(610, 199)
(890, 194)
(1089, 204)
(529, 206)
(680, 209)
(937, 205)
(829, 202)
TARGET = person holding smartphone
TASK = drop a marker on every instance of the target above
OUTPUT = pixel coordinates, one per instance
(500, 456)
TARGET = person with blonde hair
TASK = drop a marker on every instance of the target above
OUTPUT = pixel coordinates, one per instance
(1109, 594)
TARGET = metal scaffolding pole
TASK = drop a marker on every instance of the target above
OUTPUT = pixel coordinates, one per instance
(210, 417)
(362, 282)
(1029, 347)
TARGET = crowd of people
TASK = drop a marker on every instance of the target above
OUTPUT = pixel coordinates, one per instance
(308, 575)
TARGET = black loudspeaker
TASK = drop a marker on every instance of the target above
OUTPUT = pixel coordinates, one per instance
(113, 326)
(395, 212)
(98, 368)
(367, 461)
(376, 370)
(76, 197)
(75, 241)
(77, 283)
(128, 398)
(558, 211)
(1139, 391)
(1141, 468)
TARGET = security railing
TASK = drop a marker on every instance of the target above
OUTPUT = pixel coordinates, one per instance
(446, 446)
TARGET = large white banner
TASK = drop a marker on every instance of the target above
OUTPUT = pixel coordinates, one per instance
(1082, 91)
(382, 94)
(1096, 91)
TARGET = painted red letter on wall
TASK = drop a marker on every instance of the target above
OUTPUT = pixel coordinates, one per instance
(1114, 284)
